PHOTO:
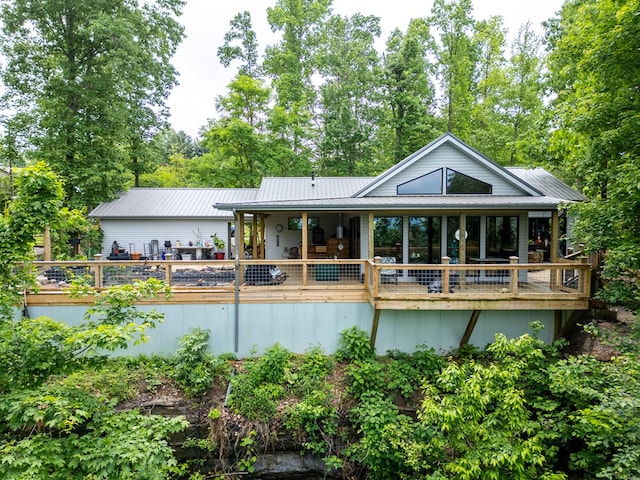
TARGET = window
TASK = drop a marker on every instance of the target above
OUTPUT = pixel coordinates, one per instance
(459, 183)
(429, 184)
(424, 239)
(432, 184)
(295, 223)
(387, 237)
(502, 236)
(472, 238)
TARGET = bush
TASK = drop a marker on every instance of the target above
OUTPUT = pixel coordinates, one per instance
(195, 366)
(354, 345)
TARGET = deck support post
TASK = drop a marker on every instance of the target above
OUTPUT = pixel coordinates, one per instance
(557, 323)
(470, 326)
(374, 327)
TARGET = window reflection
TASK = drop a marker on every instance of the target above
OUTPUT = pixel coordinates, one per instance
(502, 236)
(472, 238)
(424, 239)
(387, 237)
(459, 183)
(429, 184)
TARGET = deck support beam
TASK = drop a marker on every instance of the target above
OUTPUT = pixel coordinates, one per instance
(470, 326)
(374, 328)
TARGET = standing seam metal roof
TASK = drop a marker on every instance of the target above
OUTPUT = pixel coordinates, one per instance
(172, 203)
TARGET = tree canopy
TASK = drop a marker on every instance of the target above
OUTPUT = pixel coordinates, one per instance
(86, 82)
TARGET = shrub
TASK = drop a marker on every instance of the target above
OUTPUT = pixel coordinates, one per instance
(354, 345)
(195, 366)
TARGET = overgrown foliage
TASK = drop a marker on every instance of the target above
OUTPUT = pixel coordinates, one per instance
(594, 63)
(57, 401)
(194, 366)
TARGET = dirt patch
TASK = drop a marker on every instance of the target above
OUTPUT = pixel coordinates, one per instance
(608, 324)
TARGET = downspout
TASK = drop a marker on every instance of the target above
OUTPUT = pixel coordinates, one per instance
(236, 326)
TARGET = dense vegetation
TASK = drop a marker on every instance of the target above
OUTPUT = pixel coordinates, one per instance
(517, 410)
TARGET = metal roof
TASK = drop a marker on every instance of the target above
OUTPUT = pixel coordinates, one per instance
(547, 183)
(172, 203)
(405, 202)
(308, 188)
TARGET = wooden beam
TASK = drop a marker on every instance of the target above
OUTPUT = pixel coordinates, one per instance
(555, 237)
(374, 327)
(371, 230)
(47, 243)
(470, 326)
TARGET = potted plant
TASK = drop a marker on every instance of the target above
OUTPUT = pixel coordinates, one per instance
(219, 244)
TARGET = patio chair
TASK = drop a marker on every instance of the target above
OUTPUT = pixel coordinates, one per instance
(294, 253)
(388, 275)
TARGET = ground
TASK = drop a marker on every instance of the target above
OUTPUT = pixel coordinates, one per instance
(609, 322)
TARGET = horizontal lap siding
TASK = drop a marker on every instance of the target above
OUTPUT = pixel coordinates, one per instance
(448, 157)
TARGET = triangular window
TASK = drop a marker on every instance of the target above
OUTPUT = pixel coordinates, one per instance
(429, 184)
(459, 183)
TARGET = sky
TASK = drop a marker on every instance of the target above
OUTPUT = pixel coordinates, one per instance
(202, 78)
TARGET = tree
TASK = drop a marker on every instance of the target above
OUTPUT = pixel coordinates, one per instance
(291, 66)
(37, 204)
(238, 138)
(91, 79)
(456, 56)
(350, 95)
(247, 52)
(594, 66)
(489, 128)
(409, 91)
(523, 100)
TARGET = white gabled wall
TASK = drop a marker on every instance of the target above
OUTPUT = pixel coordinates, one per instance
(447, 156)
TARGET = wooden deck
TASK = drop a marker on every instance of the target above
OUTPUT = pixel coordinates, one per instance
(514, 286)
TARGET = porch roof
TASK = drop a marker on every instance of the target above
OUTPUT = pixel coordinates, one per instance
(402, 203)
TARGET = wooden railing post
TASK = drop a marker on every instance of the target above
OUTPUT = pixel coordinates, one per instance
(376, 276)
(514, 274)
(97, 258)
(445, 274)
(167, 271)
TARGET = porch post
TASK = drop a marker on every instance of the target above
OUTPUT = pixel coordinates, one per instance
(239, 253)
(553, 252)
(462, 244)
(555, 234)
(47, 243)
(370, 249)
(97, 282)
(514, 274)
(305, 235)
(445, 274)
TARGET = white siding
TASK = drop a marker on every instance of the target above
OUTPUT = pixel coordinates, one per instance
(132, 235)
(447, 156)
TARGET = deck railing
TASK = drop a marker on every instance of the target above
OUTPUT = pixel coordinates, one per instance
(376, 279)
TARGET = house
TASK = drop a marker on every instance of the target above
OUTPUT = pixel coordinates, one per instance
(439, 250)
(143, 218)
(416, 210)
